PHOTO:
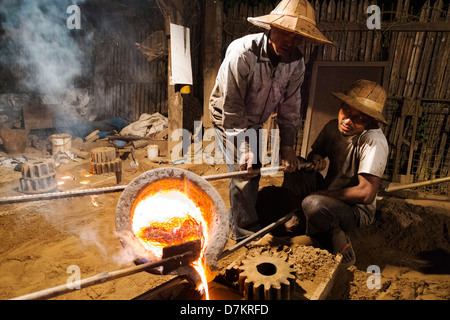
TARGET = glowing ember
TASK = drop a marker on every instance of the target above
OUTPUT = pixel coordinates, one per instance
(94, 202)
(63, 179)
(170, 218)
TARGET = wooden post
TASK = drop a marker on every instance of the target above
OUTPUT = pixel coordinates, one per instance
(172, 14)
(410, 108)
(175, 109)
(213, 52)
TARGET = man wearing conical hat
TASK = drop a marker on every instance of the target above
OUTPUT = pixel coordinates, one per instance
(260, 75)
(357, 151)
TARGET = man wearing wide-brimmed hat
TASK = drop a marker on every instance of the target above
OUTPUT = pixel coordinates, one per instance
(261, 74)
(357, 151)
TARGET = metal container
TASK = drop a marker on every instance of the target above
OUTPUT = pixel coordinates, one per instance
(193, 186)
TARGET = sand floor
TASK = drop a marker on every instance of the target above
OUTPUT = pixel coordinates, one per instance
(42, 242)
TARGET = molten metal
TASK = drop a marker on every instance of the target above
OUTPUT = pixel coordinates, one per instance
(178, 220)
(170, 206)
(172, 232)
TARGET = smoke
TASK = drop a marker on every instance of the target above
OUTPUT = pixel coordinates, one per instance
(89, 237)
(132, 250)
(38, 42)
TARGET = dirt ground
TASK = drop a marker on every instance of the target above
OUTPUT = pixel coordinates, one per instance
(42, 242)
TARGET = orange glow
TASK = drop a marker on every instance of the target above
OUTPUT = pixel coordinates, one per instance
(63, 179)
(175, 231)
(201, 270)
(94, 202)
(170, 212)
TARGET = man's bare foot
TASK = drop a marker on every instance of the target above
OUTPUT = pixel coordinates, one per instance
(342, 245)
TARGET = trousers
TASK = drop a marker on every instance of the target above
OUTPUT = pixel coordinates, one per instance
(242, 191)
(322, 213)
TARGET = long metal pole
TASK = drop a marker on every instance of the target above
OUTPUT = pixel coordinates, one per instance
(51, 195)
(238, 174)
(417, 184)
(83, 192)
(99, 278)
(256, 235)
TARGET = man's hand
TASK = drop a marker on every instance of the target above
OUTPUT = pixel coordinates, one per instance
(246, 161)
(289, 159)
(319, 163)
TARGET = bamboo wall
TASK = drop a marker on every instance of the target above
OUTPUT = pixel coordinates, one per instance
(128, 85)
(419, 74)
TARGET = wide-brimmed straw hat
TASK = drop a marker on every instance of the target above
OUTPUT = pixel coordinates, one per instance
(367, 97)
(294, 16)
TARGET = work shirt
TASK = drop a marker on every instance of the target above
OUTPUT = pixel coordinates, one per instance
(349, 156)
(248, 89)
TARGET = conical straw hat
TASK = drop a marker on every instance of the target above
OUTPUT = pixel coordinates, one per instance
(294, 16)
(366, 96)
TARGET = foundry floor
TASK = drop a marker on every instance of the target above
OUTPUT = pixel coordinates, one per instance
(39, 240)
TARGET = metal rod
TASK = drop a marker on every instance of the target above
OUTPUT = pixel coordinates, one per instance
(417, 184)
(262, 171)
(99, 278)
(239, 174)
(43, 196)
(256, 235)
(82, 192)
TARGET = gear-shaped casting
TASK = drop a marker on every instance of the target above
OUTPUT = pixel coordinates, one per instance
(266, 277)
(38, 176)
(103, 160)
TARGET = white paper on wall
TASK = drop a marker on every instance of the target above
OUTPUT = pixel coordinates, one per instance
(180, 51)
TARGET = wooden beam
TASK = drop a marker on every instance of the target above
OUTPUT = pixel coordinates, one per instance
(174, 99)
(385, 26)
(213, 52)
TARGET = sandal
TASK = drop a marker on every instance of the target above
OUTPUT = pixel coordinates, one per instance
(348, 258)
